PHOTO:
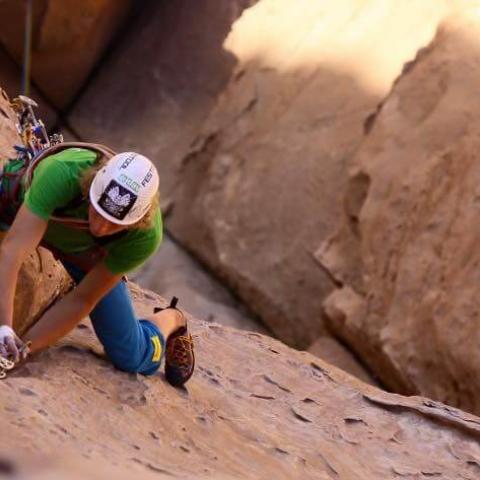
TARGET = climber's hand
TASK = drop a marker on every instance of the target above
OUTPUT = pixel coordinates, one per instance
(11, 346)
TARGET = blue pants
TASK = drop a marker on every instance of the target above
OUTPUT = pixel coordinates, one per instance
(132, 345)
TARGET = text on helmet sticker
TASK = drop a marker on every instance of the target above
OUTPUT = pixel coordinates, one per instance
(148, 177)
(128, 161)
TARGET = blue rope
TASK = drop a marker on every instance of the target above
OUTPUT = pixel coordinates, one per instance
(27, 55)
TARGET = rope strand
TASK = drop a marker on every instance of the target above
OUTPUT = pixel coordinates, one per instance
(27, 56)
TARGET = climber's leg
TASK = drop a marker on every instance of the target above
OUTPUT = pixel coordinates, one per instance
(131, 344)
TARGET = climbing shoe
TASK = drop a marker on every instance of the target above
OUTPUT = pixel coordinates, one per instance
(179, 355)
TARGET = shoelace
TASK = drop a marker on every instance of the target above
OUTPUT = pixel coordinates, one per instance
(5, 366)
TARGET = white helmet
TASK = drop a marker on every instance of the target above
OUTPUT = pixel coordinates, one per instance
(122, 191)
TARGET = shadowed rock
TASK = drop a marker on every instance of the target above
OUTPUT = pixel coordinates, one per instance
(68, 38)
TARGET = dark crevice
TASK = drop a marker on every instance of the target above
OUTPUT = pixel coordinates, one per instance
(130, 24)
(240, 304)
(335, 281)
(355, 197)
(361, 361)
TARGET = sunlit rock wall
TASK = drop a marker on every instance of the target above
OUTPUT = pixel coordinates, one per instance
(263, 183)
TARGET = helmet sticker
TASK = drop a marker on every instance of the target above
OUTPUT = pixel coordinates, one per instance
(116, 200)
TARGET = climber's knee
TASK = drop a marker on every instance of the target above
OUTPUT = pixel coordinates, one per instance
(143, 356)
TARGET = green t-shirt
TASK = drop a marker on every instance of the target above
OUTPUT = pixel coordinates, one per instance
(55, 185)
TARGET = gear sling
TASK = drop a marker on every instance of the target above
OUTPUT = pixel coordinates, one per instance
(10, 202)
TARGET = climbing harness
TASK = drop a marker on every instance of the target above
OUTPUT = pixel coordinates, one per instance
(36, 146)
(18, 172)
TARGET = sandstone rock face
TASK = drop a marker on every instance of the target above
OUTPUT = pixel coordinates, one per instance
(254, 409)
(161, 82)
(409, 304)
(8, 132)
(175, 273)
(68, 39)
(41, 279)
(11, 82)
(263, 183)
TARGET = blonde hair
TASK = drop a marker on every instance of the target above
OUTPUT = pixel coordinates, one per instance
(87, 178)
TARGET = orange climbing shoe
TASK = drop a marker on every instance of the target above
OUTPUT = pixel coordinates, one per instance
(179, 356)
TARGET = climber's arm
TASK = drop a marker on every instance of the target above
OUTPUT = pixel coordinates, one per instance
(71, 309)
(24, 235)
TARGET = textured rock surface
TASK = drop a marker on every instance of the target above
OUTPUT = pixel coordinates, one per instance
(8, 133)
(263, 184)
(255, 409)
(11, 82)
(409, 305)
(41, 278)
(41, 281)
(68, 38)
(176, 66)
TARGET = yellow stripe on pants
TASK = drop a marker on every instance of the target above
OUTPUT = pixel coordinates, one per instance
(157, 353)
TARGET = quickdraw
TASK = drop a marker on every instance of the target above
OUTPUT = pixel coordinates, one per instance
(34, 135)
(5, 366)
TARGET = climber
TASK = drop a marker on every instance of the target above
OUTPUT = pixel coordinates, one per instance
(98, 213)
